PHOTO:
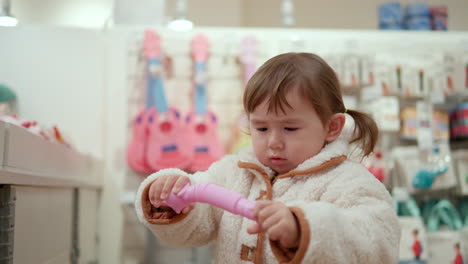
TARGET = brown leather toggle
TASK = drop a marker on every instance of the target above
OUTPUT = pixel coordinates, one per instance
(261, 196)
(248, 253)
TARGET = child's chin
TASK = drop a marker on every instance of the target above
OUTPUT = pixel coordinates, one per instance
(280, 170)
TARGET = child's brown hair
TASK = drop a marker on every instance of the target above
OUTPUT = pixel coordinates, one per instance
(316, 81)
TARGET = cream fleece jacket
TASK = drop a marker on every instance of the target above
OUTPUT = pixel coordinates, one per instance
(345, 214)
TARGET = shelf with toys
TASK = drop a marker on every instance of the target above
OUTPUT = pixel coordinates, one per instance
(31, 159)
(40, 175)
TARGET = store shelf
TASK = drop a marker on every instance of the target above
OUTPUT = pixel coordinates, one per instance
(353, 89)
(28, 159)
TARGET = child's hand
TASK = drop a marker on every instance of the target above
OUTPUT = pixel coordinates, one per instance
(164, 185)
(275, 219)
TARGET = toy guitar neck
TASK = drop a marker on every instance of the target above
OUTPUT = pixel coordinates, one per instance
(200, 53)
(201, 124)
(155, 87)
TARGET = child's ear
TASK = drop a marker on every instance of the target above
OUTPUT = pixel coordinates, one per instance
(334, 126)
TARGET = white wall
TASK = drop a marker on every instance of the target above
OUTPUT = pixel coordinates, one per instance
(57, 74)
(60, 76)
(75, 13)
(212, 13)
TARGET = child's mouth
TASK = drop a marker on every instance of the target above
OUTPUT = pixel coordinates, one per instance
(277, 160)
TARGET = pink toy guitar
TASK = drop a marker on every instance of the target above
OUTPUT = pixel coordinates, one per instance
(201, 124)
(248, 57)
(136, 149)
(211, 194)
(165, 146)
(240, 139)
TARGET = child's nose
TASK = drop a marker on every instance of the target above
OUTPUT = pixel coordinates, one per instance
(275, 141)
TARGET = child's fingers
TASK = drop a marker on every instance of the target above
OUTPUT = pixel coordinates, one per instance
(187, 209)
(269, 222)
(259, 206)
(253, 229)
(155, 192)
(168, 185)
(266, 212)
(181, 182)
(276, 232)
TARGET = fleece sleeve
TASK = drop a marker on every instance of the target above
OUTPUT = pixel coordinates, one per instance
(354, 222)
(194, 229)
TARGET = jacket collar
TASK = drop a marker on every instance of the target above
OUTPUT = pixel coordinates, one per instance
(332, 151)
(329, 156)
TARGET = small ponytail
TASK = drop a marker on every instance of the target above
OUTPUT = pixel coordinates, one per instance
(365, 131)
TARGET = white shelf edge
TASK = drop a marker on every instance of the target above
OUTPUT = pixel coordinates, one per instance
(15, 176)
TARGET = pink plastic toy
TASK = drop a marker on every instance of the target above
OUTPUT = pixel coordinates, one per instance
(136, 153)
(248, 56)
(211, 194)
(166, 147)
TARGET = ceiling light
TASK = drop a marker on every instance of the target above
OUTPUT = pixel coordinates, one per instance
(287, 12)
(181, 23)
(6, 19)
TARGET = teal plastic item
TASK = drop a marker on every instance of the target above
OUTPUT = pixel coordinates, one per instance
(463, 209)
(407, 208)
(6, 94)
(443, 213)
(427, 208)
(424, 178)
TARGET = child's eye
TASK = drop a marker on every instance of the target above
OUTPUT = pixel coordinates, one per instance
(291, 128)
(262, 129)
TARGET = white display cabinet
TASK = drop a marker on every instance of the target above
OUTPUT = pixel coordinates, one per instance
(49, 200)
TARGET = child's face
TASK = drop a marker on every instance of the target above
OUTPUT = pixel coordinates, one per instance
(282, 141)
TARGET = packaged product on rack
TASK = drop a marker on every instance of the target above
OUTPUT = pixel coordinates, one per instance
(460, 160)
(350, 73)
(336, 63)
(383, 79)
(414, 79)
(459, 122)
(433, 165)
(390, 16)
(418, 172)
(367, 69)
(411, 123)
(439, 17)
(462, 207)
(446, 239)
(413, 245)
(376, 165)
(385, 110)
(417, 16)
